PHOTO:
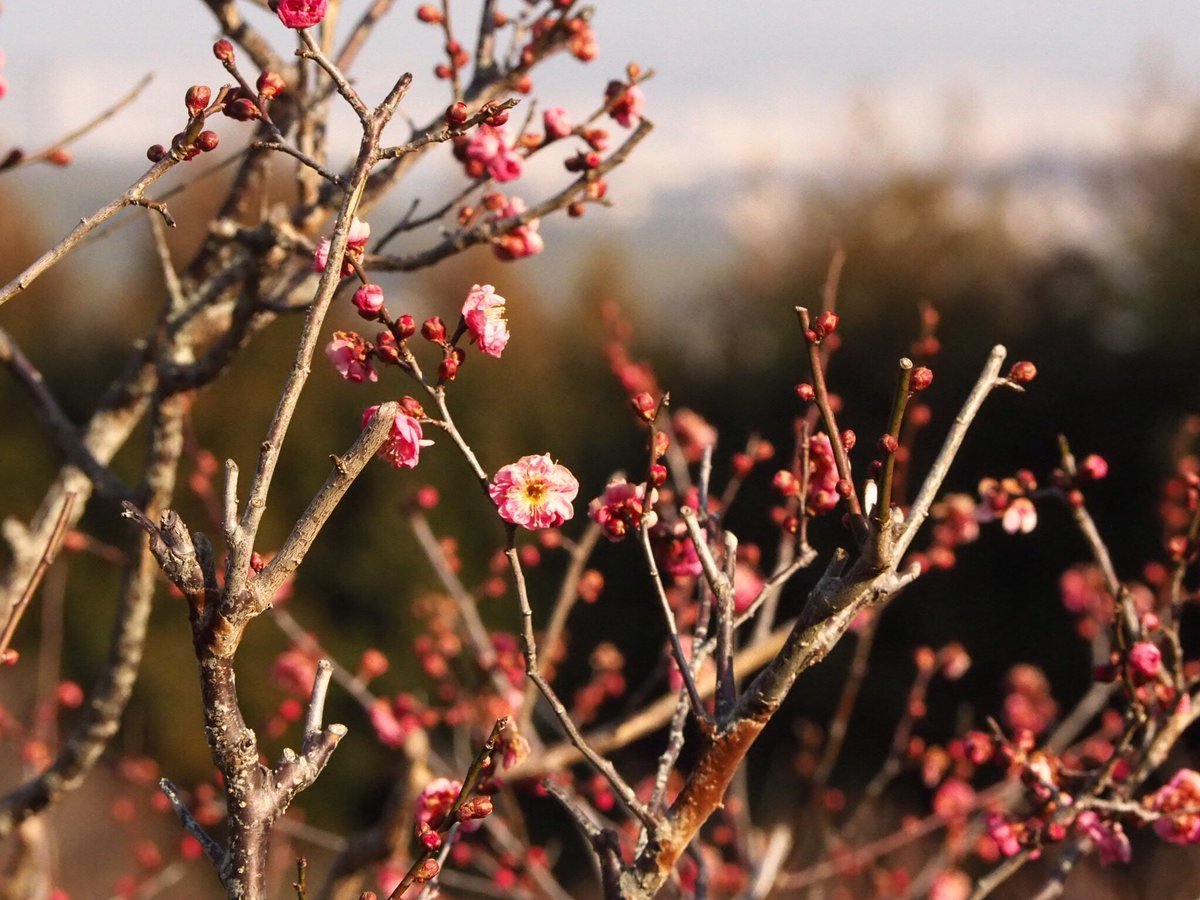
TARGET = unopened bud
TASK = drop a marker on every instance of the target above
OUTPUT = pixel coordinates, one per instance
(741, 464)
(888, 443)
(257, 563)
(270, 85)
(196, 99)
(645, 406)
(156, 153)
(576, 210)
(849, 439)
(658, 475)
(386, 347)
(785, 483)
(1022, 372)
(805, 392)
(434, 330)
(844, 487)
(827, 323)
(223, 50)
(475, 808)
(207, 140)
(242, 109)
(921, 378)
(59, 156)
(457, 113)
(427, 870)
(429, 13)
(447, 369)
(406, 327)
(412, 408)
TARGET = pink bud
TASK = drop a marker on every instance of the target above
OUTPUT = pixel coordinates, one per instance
(196, 99)
(434, 330)
(1094, 467)
(644, 406)
(448, 369)
(1022, 372)
(827, 323)
(368, 300)
(888, 444)
(457, 113)
(270, 85)
(920, 379)
(156, 153)
(429, 13)
(223, 50)
(1145, 660)
(805, 392)
(207, 140)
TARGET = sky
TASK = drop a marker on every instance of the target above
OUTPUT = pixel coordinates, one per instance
(784, 88)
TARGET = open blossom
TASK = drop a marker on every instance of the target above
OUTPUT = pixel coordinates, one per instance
(356, 243)
(622, 509)
(403, 445)
(1021, 516)
(1178, 805)
(490, 151)
(534, 492)
(558, 122)
(483, 312)
(351, 356)
(300, 13)
(523, 240)
(1109, 837)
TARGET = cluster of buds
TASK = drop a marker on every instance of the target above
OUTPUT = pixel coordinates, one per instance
(825, 325)
(573, 31)
(456, 58)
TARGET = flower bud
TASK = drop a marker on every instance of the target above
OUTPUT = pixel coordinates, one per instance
(1093, 467)
(207, 140)
(406, 327)
(661, 442)
(920, 379)
(827, 323)
(849, 439)
(1022, 372)
(1145, 660)
(412, 408)
(270, 85)
(196, 99)
(658, 475)
(223, 50)
(429, 839)
(805, 392)
(785, 483)
(368, 300)
(447, 369)
(257, 563)
(576, 210)
(386, 347)
(427, 870)
(457, 113)
(242, 109)
(844, 487)
(429, 13)
(475, 808)
(156, 153)
(434, 330)
(741, 464)
(888, 443)
(645, 406)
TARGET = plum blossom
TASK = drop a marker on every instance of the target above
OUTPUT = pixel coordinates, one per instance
(1145, 660)
(300, 13)
(534, 492)
(356, 243)
(523, 240)
(681, 559)
(1178, 805)
(1021, 516)
(402, 449)
(351, 356)
(627, 103)
(622, 509)
(368, 300)
(823, 475)
(489, 150)
(558, 122)
(483, 312)
(1109, 837)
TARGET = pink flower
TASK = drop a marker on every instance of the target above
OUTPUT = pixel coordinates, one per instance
(300, 13)
(622, 509)
(558, 122)
(1094, 467)
(1145, 660)
(523, 240)
(1109, 837)
(693, 433)
(489, 149)
(1178, 805)
(1021, 516)
(391, 729)
(534, 492)
(356, 242)
(368, 299)
(1001, 831)
(435, 801)
(483, 312)
(823, 475)
(402, 449)
(351, 356)
(627, 103)
(747, 584)
(681, 559)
